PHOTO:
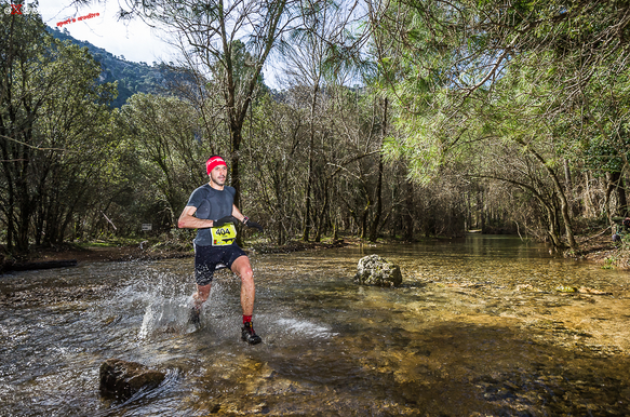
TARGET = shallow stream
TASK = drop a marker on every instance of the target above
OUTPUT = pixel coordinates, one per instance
(483, 327)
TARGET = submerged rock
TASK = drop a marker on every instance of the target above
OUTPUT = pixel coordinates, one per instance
(374, 270)
(566, 288)
(123, 379)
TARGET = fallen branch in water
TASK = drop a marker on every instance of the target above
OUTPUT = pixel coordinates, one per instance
(29, 266)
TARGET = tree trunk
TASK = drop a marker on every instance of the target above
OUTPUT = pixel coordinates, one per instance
(379, 183)
(10, 219)
(280, 236)
(567, 177)
(307, 203)
(622, 201)
(322, 215)
(364, 216)
(65, 224)
(237, 138)
(335, 235)
(379, 202)
(309, 175)
(564, 205)
(468, 212)
(482, 212)
(24, 203)
(610, 186)
(590, 206)
(408, 216)
(552, 228)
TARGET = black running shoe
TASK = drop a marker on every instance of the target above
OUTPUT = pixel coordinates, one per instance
(249, 335)
(194, 316)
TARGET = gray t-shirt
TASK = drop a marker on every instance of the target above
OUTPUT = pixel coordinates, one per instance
(212, 205)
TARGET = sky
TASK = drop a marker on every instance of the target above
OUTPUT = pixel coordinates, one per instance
(134, 40)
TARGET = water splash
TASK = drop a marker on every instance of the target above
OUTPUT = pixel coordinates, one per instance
(164, 298)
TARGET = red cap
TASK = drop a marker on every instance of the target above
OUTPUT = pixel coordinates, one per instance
(213, 162)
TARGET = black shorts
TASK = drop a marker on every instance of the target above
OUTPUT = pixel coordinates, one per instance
(212, 258)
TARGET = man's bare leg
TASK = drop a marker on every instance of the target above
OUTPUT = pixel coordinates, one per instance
(200, 297)
(243, 269)
(202, 294)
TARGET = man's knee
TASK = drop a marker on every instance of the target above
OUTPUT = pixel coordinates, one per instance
(247, 275)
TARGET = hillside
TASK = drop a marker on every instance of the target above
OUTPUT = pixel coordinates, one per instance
(132, 77)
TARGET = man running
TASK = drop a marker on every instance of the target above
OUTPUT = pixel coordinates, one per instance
(211, 210)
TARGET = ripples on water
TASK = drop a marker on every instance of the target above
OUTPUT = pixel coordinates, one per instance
(480, 327)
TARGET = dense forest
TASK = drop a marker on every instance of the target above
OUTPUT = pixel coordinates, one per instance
(396, 120)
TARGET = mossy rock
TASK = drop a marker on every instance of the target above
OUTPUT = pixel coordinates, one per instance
(375, 270)
(566, 289)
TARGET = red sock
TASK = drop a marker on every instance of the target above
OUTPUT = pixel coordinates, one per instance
(246, 319)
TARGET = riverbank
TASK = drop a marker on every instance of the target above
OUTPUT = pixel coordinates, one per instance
(111, 252)
(599, 249)
(102, 252)
(596, 248)
(609, 257)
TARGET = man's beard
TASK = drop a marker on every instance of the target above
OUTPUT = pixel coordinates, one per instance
(217, 181)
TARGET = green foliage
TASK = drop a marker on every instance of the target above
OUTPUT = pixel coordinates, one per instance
(532, 84)
(54, 133)
(163, 154)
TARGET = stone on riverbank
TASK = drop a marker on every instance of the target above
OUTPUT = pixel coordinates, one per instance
(123, 379)
(375, 270)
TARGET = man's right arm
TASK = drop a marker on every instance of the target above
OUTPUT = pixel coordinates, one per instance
(187, 220)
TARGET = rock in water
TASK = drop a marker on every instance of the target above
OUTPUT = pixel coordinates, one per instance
(374, 270)
(123, 379)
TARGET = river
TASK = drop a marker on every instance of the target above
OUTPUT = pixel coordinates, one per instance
(481, 327)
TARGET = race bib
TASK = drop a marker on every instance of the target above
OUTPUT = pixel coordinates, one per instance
(223, 235)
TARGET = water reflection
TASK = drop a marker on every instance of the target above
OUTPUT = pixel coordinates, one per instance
(479, 327)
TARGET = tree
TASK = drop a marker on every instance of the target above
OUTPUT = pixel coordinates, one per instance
(41, 79)
(161, 129)
(75, 118)
(461, 64)
(314, 62)
(275, 137)
(212, 36)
